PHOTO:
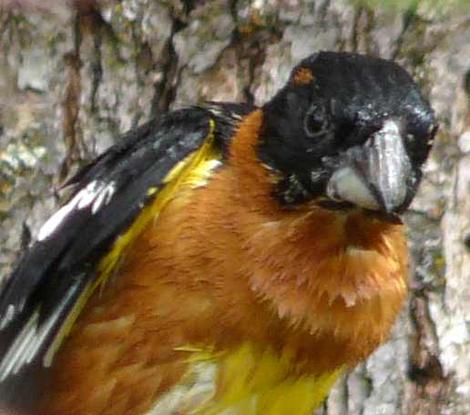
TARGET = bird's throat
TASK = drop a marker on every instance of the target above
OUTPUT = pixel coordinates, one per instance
(331, 273)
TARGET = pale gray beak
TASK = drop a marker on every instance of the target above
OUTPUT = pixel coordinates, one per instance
(376, 174)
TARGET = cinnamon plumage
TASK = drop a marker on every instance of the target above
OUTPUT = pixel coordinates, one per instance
(224, 257)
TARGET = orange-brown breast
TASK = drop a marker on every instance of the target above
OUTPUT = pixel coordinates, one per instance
(224, 265)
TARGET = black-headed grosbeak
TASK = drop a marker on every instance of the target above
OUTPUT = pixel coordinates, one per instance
(225, 258)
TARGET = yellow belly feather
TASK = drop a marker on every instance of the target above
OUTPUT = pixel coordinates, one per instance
(245, 381)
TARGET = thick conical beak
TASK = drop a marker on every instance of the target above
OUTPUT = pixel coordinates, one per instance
(374, 175)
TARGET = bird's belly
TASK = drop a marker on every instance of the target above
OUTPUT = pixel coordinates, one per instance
(244, 381)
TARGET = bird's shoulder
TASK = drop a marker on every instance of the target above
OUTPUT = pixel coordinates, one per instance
(111, 201)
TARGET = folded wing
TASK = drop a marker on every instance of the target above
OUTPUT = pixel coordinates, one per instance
(80, 245)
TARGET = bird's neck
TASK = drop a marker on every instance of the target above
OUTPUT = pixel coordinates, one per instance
(310, 280)
(341, 274)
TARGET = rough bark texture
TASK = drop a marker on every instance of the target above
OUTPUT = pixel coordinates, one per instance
(73, 76)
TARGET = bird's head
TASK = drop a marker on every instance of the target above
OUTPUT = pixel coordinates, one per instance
(348, 130)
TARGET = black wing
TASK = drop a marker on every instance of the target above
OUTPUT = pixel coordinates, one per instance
(109, 196)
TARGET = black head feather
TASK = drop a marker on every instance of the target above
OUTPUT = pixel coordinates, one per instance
(331, 106)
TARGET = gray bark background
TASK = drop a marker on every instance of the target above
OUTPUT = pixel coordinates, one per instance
(73, 76)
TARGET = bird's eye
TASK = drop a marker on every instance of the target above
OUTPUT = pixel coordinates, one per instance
(316, 122)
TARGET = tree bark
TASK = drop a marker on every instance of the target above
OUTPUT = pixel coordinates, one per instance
(74, 75)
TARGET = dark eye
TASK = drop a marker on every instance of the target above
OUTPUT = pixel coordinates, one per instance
(316, 122)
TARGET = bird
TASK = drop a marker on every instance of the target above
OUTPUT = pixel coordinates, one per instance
(224, 257)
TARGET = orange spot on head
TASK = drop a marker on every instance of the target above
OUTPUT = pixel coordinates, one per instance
(302, 76)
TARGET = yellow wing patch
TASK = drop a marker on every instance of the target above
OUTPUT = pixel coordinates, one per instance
(191, 172)
(245, 381)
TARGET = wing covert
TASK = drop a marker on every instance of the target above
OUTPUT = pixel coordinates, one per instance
(113, 200)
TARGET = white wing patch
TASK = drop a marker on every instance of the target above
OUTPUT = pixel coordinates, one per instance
(8, 316)
(103, 197)
(96, 194)
(30, 339)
